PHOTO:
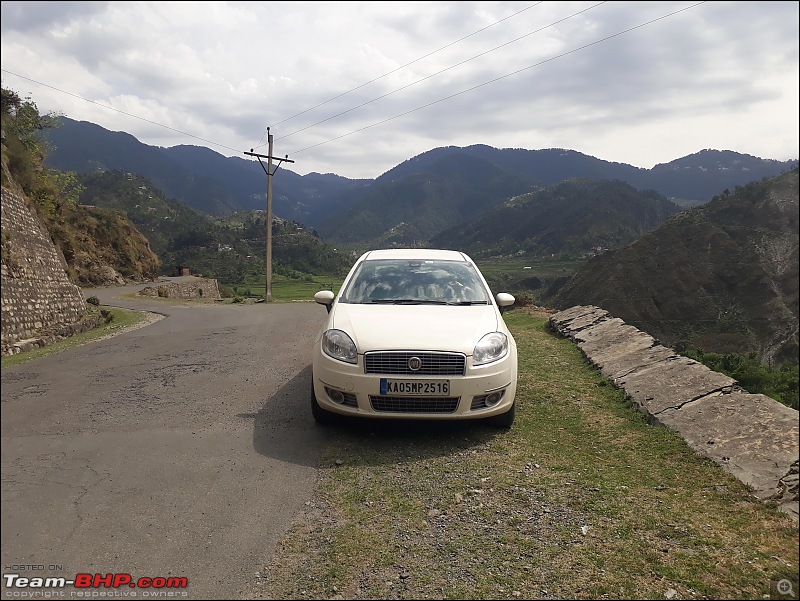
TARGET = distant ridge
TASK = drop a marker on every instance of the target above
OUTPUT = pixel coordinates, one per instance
(216, 184)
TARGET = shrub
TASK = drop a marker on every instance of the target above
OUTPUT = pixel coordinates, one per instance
(523, 299)
(779, 382)
(93, 300)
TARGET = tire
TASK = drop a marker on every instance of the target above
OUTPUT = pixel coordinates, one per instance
(504, 420)
(321, 416)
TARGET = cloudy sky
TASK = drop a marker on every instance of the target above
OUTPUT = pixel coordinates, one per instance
(355, 88)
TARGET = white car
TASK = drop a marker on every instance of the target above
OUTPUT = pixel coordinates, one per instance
(415, 334)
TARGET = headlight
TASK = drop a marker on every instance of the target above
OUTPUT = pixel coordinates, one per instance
(339, 345)
(490, 348)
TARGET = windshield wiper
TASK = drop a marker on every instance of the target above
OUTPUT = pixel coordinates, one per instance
(466, 303)
(405, 301)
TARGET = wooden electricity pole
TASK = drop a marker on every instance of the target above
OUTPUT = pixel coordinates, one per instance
(270, 172)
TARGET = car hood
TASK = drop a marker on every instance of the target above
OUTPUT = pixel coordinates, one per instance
(415, 327)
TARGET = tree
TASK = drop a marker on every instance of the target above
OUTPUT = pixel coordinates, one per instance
(22, 125)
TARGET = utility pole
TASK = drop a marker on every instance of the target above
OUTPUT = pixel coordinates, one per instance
(270, 172)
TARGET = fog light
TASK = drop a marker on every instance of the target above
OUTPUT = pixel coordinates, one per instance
(494, 398)
(335, 395)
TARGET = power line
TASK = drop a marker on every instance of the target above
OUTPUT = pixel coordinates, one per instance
(105, 106)
(442, 71)
(327, 101)
(381, 122)
(395, 70)
(491, 81)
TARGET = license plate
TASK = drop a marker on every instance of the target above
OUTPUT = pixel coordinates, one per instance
(415, 387)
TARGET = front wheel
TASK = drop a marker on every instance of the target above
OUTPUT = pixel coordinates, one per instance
(504, 420)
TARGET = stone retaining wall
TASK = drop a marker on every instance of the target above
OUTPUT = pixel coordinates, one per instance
(39, 302)
(193, 289)
(752, 436)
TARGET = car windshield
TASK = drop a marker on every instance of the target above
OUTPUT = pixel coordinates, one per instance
(394, 281)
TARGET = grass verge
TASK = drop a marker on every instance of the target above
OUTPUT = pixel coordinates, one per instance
(582, 498)
(121, 321)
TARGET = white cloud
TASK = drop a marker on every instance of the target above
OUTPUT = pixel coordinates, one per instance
(355, 88)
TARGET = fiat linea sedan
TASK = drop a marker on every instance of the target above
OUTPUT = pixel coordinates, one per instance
(415, 334)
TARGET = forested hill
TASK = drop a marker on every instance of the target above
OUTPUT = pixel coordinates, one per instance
(573, 218)
(100, 246)
(722, 277)
(231, 249)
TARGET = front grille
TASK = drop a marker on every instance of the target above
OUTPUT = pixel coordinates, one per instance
(402, 404)
(433, 364)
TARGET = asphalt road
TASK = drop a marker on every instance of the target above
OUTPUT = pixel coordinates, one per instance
(184, 448)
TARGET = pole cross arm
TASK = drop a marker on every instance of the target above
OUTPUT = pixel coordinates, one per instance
(266, 156)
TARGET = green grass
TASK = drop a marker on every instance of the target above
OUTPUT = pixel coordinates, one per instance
(582, 498)
(526, 278)
(287, 289)
(538, 267)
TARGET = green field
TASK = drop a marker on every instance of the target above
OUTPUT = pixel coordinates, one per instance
(527, 267)
(527, 278)
(507, 275)
(287, 289)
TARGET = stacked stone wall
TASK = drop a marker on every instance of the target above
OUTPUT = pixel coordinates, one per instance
(39, 302)
(194, 289)
(753, 437)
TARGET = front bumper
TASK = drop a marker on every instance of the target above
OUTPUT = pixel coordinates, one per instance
(344, 388)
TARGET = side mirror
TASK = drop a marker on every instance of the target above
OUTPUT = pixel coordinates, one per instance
(325, 297)
(504, 300)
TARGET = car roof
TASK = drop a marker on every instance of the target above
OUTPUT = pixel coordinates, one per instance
(415, 254)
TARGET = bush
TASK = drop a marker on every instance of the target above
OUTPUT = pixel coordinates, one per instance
(93, 300)
(779, 382)
(523, 299)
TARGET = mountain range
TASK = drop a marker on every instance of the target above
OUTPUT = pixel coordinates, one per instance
(219, 185)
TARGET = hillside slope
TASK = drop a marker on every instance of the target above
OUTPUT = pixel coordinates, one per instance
(230, 249)
(722, 277)
(197, 176)
(100, 247)
(412, 208)
(570, 219)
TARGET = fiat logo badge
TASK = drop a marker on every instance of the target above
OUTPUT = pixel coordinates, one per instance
(414, 363)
